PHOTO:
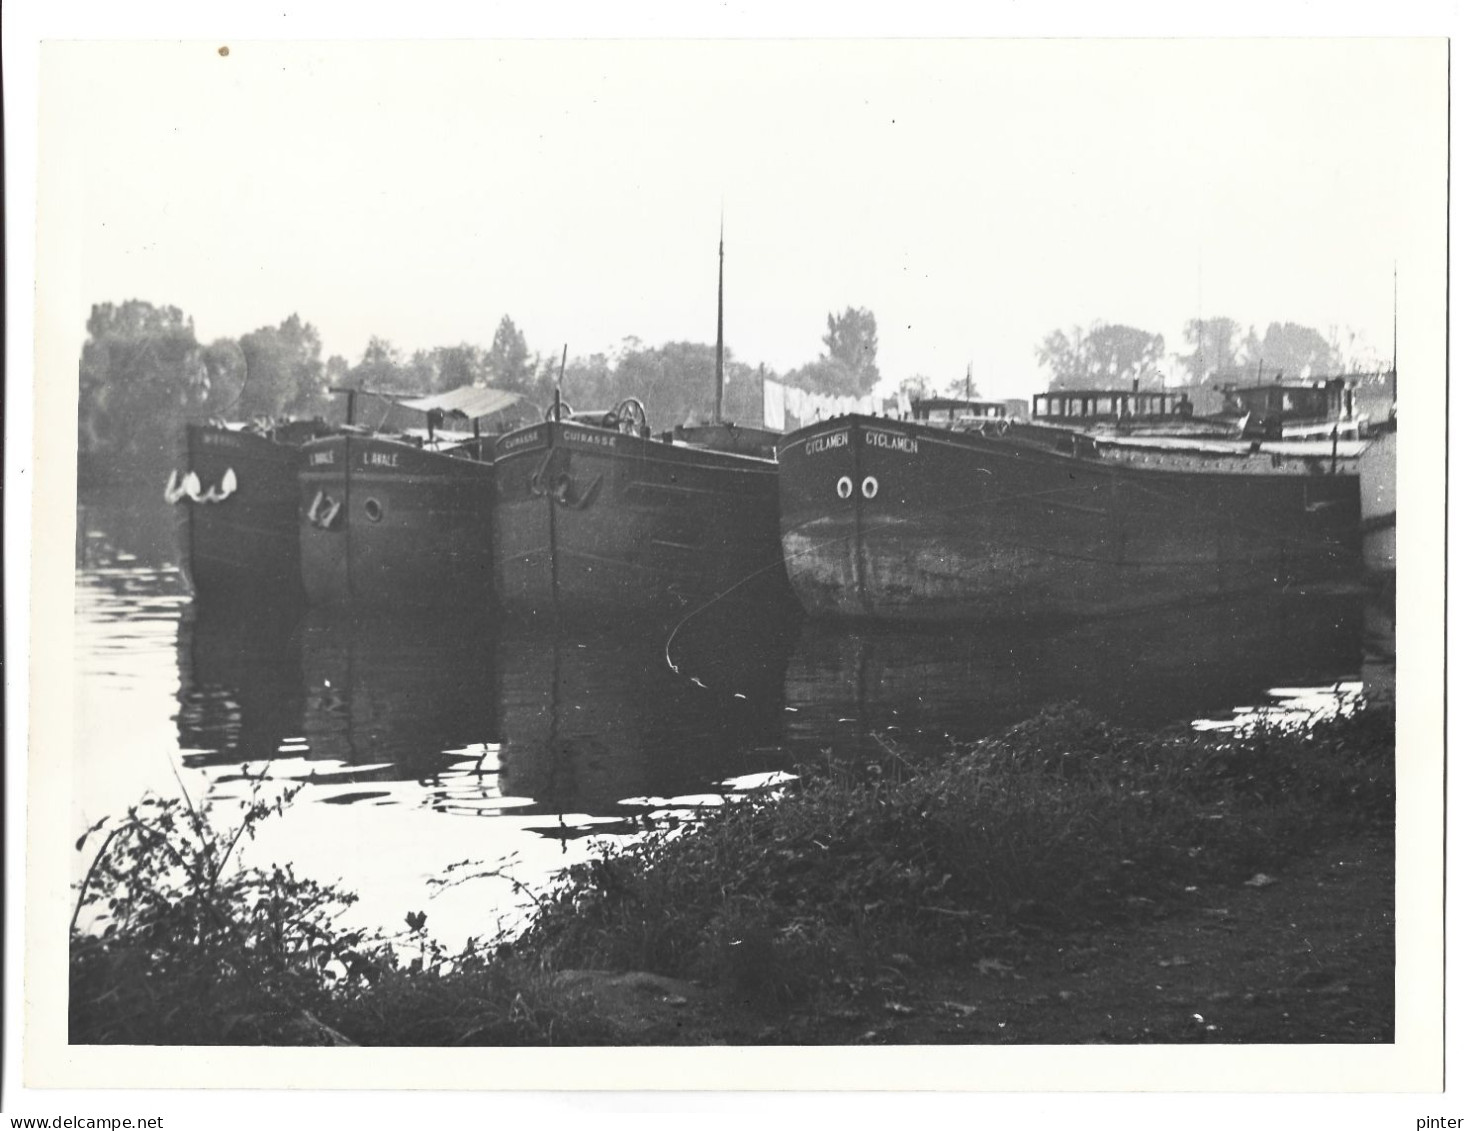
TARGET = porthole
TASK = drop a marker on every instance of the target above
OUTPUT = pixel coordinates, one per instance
(845, 486)
(870, 487)
(373, 510)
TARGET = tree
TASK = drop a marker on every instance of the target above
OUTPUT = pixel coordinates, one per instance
(1107, 357)
(225, 375)
(455, 366)
(742, 401)
(853, 341)
(1290, 350)
(1067, 358)
(1214, 349)
(1356, 352)
(962, 387)
(1122, 355)
(284, 375)
(826, 375)
(676, 382)
(380, 369)
(338, 374)
(141, 373)
(917, 387)
(441, 369)
(588, 382)
(420, 374)
(509, 363)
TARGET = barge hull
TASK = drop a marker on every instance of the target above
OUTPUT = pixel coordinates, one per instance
(592, 522)
(891, 520)
(384, 522)
(246, 541)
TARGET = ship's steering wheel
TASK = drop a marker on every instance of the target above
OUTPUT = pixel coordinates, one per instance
(558, 410)
(629, 417)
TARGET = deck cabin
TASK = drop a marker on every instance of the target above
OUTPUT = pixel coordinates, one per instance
(1297, 410)
(1085, 407)
(958, 413)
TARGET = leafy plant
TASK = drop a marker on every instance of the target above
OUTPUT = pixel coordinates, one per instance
(827, 887)
(174, 941)
(1061, 823)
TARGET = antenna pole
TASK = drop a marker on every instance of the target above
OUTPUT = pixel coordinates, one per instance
(1393, 332)
(352, 394)
(557, 392)
(720, 304)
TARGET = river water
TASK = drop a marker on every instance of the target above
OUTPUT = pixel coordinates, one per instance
(422, 742)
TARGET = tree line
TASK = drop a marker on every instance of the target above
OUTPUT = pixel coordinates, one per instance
(1215, 351)
(143, 373)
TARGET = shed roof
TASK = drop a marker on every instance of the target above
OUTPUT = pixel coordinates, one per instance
(470, 401)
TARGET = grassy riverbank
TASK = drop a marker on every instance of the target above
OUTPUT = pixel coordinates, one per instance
(1051, 884)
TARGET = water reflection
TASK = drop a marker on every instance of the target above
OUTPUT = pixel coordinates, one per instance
(598, 726)
(336, 699)
(395, 696)
(241, 693)
(400, 728)
(1148, 669)
(126, 527)
(589, 725)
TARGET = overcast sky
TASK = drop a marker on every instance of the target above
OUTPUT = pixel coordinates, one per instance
(974, 195)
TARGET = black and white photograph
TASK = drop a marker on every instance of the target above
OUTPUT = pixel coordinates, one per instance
(738, 563)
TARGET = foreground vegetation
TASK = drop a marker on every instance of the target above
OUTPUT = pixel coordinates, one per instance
(782, 907)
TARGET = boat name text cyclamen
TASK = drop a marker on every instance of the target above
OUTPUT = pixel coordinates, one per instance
(892, 441)
(825, 442)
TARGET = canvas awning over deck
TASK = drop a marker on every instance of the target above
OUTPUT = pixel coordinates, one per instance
(470, 401)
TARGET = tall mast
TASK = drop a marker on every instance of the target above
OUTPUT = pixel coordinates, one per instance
(720, 342)
(1393, 333)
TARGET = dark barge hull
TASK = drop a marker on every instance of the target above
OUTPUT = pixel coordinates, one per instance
(1378, 503)
(595, 522)
(898, 521)
(246, 541)
(383, 521)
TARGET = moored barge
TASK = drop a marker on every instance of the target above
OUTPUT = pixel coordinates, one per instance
(402, 518)
(595, 517)
(892, 519)
(598, 517)
(236, 506)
